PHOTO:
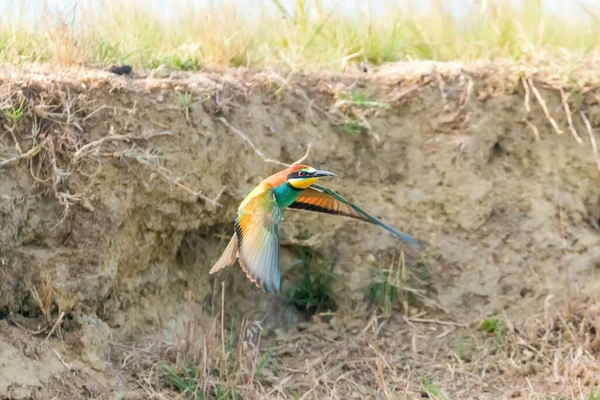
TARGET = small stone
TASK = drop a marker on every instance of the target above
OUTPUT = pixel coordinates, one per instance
(77, 365)
(161, 72)
(95, 342)
(19, 392)
(133, 395)
(86, 204)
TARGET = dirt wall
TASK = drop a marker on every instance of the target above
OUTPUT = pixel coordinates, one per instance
(103, 208)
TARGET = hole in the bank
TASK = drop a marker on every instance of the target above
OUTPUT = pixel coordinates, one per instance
(497, 149)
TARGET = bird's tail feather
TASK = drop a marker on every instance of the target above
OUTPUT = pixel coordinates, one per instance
(403, 236)
(228, 257)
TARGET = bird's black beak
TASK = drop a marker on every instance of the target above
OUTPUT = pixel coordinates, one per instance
(321, 173)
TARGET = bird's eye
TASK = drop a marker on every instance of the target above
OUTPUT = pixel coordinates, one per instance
(301, 174)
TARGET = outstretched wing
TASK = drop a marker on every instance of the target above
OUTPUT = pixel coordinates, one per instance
(257, 230)
(321, 199)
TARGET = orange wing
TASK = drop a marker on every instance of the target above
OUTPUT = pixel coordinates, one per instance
(318, 198)
(313, 199)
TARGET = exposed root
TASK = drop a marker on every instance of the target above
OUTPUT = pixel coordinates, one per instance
(365, 122)
(250, 143)
(398, 95)
(569, 117)
(257, 150)
(527, 94)
(57, 149)
(287, 84)
(534, 129)
(540, 99)
(590, 132)
(93, 147)
(34, 151)
(149, 160)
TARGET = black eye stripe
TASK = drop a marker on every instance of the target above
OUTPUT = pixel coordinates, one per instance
(298, 174)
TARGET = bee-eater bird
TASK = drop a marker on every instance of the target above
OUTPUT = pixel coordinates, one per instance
(256, 239)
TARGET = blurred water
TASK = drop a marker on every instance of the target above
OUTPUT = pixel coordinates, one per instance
(30, 10)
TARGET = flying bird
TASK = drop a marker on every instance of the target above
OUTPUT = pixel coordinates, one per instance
(256, 239)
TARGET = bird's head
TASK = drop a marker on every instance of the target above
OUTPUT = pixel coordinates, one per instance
(302, 176)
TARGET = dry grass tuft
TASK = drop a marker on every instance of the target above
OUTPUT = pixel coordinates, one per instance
(300, 35)
(200, 359)
(553, 354)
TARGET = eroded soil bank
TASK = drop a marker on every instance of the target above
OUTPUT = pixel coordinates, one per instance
(99, 218)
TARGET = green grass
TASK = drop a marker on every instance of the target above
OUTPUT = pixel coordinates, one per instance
(15, 114)
(187, 102)
(355, 107)
(594, 394)
(264, 360)
(363, 99)
(314, 291)
(353, 128)
(497, 328)
(405, 285)
(431, 389)
(466, 347)
(185, 380)
(384, 291)
(310, 34)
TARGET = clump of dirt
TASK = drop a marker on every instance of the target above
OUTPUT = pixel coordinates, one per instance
(118, 193)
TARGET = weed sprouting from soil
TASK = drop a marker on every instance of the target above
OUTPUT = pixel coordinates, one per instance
(497, 328)
(354, 108)
(362, 99)
(594, 394)
(383, 292)
(353, 128)
(314, 292)
(399, 285)
(15, 114)
(431, 389)
(186, 101)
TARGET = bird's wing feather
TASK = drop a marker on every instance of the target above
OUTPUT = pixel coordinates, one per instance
(321, 199)
(228, 257)
(257, 230)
